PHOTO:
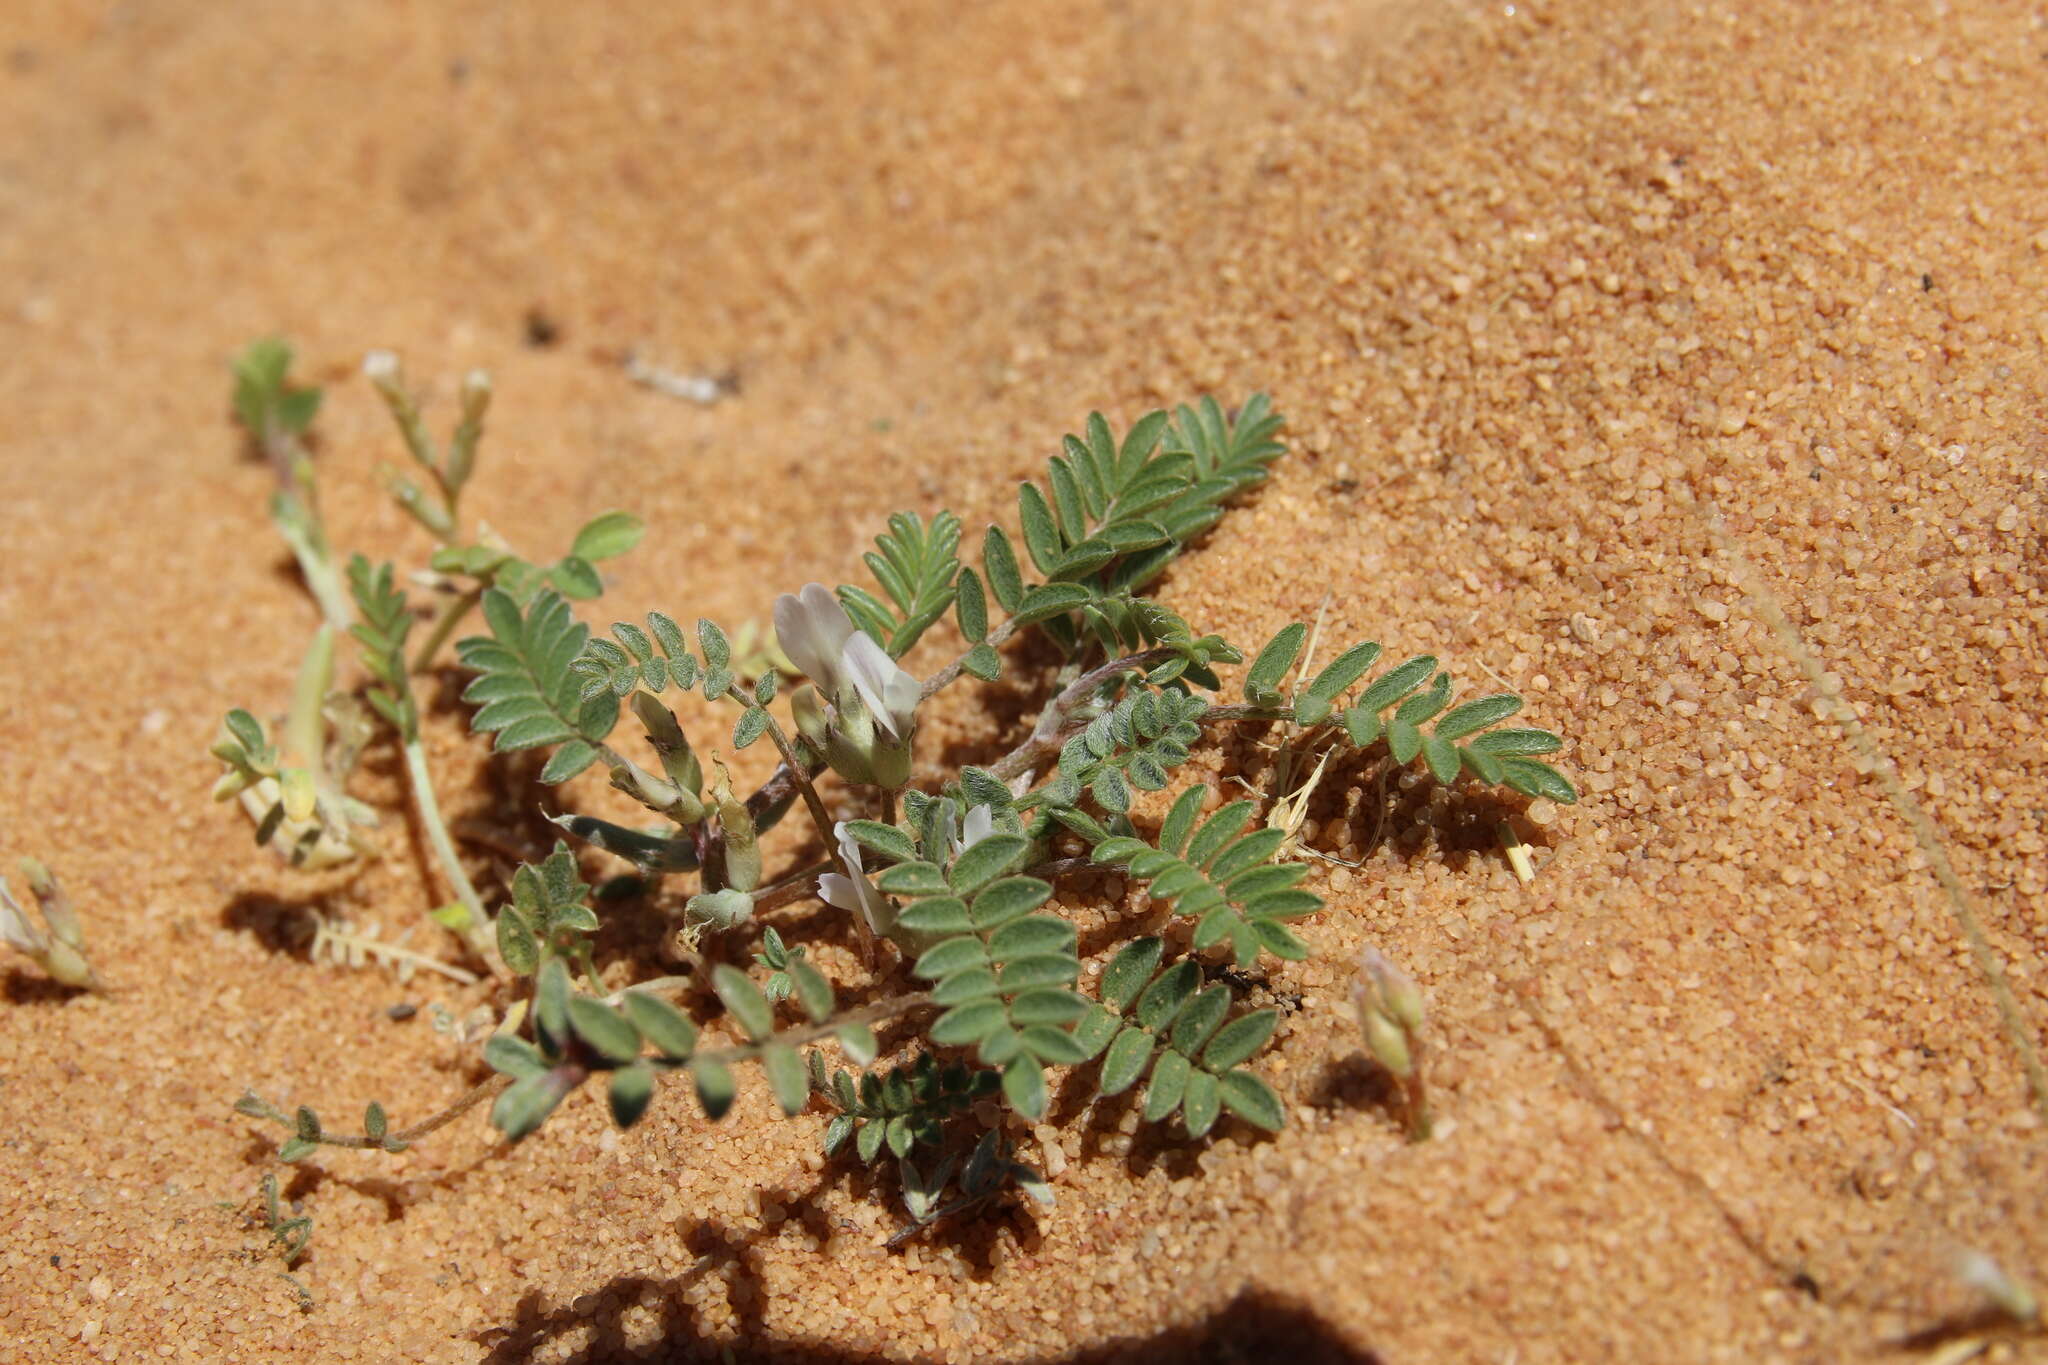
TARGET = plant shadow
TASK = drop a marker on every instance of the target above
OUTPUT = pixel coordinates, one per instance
(1258, 1325)
(20, 987)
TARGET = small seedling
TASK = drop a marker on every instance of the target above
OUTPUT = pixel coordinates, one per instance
(290, 1234)
(776, 957)
(274, 411)
(59, 946)
(1389, 1011)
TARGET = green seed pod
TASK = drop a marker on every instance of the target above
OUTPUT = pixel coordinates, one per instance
(643, 786)
(720, 909)
(742, 839)
(742, 850)
(67, 966)
(678, 760)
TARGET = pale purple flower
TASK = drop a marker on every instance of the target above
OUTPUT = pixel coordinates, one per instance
(855, 893)
(820, 639)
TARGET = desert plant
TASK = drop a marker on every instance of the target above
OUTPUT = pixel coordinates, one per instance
(59, 946)
(947, 887)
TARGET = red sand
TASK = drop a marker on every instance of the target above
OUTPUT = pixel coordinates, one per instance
(1539, 287)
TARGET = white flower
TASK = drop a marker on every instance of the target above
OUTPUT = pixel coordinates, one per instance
(855, 893)
(820, 639)
(980, 823)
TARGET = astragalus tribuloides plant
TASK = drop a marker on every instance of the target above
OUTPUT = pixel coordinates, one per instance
(946, 888)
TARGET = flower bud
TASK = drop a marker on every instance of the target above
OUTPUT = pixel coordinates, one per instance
(476, 395)
(1388, 1045)
(858, 751)
(1398, 997)
(381, 368)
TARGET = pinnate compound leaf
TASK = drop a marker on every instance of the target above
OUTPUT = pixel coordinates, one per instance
(516, 941)
(999, 562)
(813, 991)
(1200, 1103)
(1516, 743)
(1129, 970)
(1024, 1087)
(887, 840)
(527, 1103)
(752, 724)
(1168, 1086)
(1531, 778)
(1128, 1055)
(986, 860)
(983, 662)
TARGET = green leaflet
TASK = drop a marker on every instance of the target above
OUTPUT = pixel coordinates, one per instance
(531, 694)
(1168, 1023)
(915, 564)
(1111, 514)
(1206, 883)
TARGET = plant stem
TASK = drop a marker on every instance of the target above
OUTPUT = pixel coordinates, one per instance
(444, 849)
(816, 805)
(1248, 712)
(295, 511)
(795, 887)
(449, 617)
(1045, 735)
(938, 681)
(471, 1098)
(867, 1014)
(491, 1085)
(324, 583)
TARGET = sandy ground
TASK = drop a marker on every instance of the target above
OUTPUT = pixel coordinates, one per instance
(1541, 288)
